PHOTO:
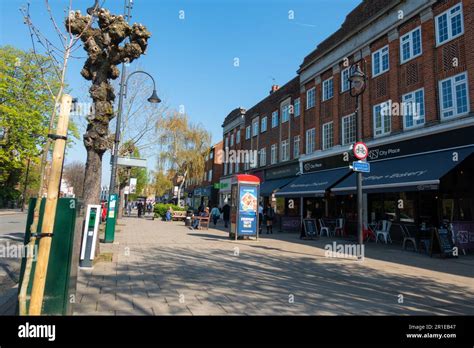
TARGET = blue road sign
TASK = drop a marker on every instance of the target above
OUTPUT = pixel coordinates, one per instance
(360, 166)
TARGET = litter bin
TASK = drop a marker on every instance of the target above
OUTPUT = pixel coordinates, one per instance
(189, 215)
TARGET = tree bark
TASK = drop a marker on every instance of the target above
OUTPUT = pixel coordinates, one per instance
(92, 178)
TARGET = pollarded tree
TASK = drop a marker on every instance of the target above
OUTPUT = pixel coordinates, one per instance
(104, 46)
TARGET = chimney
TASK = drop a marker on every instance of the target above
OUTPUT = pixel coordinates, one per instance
(274, 88)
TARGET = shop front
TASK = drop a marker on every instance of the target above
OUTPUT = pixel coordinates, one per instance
(276, 179)
(202, 195)
(419, 183)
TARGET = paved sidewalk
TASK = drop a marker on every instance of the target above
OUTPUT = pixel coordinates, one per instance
(161, 268)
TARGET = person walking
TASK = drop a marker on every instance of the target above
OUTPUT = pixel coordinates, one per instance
(215, 214)
(269, 216)
(260, 217)
(140, 209)
(226, 214)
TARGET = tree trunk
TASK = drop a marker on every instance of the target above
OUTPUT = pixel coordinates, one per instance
(92, 178)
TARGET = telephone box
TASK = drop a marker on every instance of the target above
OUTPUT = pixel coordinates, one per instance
(244, 206)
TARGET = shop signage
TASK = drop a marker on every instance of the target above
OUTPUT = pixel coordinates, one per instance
(282, 172)
(360, 150)
(359, 166)
(248, 204)
(221, 185)
(433, 142)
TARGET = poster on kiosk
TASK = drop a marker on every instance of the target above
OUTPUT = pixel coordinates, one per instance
(244, 206)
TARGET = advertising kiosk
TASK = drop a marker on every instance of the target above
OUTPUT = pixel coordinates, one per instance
(244, 206)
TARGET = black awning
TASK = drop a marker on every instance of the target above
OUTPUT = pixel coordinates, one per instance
(314, 183)
(268, 187)
(411, 173)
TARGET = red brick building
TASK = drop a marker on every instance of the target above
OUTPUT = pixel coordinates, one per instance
(417, 116)
(206, 191)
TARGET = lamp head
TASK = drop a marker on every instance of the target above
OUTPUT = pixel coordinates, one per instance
(154, 98)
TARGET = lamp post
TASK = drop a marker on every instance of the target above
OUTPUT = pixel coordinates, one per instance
(113, 197)
(358, 82)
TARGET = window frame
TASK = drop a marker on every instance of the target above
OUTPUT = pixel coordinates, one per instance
(326, 84)
(237, 136)
(380, 51)
(248, 132)
(343, 129)
(324, 145)
(285, 106)
(382, 118)
(449, 18)
(262, 154)
(297, 101)
(312, 89)
(275, 117)
(263, 122)
(409, 35)
(312, 133)
(255, 127)
(274, 154)
(412, 95)
(296, 149)
(454, 101)
(285, 150)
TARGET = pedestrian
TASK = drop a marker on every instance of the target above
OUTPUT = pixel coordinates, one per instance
(269, 216)
(215, 213)
(196, 221)
(140, 209)
(226, 214)
(169, 214)
(260, 217)
(129, 209)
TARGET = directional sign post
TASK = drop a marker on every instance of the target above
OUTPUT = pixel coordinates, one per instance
(360, 166)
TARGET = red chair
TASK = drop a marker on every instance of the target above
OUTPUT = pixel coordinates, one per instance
(368, 234)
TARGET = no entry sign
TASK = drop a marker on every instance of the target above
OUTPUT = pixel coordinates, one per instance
(361, 151)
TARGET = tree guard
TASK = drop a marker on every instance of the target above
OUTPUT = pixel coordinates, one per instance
(105, 48)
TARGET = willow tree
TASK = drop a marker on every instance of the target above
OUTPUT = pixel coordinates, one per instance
(105, 47)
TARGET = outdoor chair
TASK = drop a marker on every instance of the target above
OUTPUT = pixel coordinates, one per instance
(384, 232)
(368, 233)
(339, 227)
(324, 228)
(407, 237)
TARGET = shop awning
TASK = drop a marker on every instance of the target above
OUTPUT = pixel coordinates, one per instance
(268, 187)
(314, 183)
(411, 173)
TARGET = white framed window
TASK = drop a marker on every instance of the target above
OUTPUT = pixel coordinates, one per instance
(285, 112)
(274, 119)
(232, 139)
(225, 168)
(231, 168)
(209, 177)
(237, 136)
(328, 89)
(285, 150)
(410, 45)
(414, 109)
(226, 142)
(296, 146)
(380, 61)
(349, 128)
(297, 107)
(263, 156)
(255, 127)
(247, 132)
(274, 154)
(345, 74)
(328, 135)
(449, 24)
(263, 126)
(310, 98)
(454, 96)
(382, 118)
(310, 140)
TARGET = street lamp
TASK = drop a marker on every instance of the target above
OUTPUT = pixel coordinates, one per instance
(154, 99)
(358, 83)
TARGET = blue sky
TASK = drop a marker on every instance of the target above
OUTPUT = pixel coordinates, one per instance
(192, 59)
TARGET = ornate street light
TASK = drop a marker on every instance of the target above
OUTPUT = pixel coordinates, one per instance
(358, 83)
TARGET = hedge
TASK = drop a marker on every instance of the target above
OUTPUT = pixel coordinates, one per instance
(161, 209)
